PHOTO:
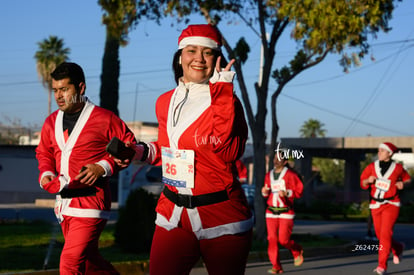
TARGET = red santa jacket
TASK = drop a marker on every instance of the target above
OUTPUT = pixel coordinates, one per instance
(210, 123)
(384, 189)
(86, 144)
(293, 186)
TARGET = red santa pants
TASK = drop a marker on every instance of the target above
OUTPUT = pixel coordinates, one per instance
(175, 252)
(384, 219)
(80, 253)
(279, 232)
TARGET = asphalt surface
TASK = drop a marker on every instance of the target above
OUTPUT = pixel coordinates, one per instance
(354, 264)
(350, 259)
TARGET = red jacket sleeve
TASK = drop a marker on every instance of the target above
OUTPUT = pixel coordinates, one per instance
(405, 176)
(118, 128)
(229, 122)
(366, 173)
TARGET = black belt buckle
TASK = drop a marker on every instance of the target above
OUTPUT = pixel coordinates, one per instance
(382, 200)
(75, 193)
(185, 200)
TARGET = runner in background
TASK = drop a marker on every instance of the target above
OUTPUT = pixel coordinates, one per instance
(384, 178)
(282, 185)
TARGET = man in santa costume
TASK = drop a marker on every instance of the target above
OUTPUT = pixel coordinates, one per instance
(281, 187)
(384, 178)
(73, 164)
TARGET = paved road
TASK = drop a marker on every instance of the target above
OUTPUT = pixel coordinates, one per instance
(353, 264)
(338, 261)
(346, 230)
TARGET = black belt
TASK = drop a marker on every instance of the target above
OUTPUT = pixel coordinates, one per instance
(80, 192)
(189, 201)
(278, 210)
(384, 199)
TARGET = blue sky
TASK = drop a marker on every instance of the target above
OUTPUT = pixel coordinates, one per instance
(374, 99)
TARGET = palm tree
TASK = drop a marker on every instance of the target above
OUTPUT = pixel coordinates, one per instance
(312, 128)
(51, 53)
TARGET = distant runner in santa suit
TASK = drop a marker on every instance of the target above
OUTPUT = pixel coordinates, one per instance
(202, 211)
(282, 185)
(385, 178)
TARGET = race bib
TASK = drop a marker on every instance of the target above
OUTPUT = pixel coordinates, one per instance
(178, 167)
(383, 184)
(278, 185)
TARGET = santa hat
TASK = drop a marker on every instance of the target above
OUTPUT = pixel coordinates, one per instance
(389, 147)
(200, 35)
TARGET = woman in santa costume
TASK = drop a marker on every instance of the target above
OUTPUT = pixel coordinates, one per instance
(202, 211)
(385, 178)
(74, 165)
(282, 185)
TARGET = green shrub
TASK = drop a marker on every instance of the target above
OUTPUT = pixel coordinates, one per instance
(136, 222)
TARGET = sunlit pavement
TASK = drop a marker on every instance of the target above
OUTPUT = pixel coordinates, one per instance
(349, 264)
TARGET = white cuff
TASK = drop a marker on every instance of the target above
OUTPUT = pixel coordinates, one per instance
(45, 174)
(106, 166)
(152, 152)
(223, 76)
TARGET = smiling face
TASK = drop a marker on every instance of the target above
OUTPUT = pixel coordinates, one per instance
(67, 97)
(198, 63)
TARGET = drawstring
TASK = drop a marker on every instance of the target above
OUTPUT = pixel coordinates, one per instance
(179, 107)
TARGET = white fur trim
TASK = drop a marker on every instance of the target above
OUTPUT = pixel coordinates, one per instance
(203, 233)
(86, 213)
(385, 147)
(106, 166)
(281, 216)
(388, 173)
(45, 174)
(198, 41)
(223, 76)
(152, 152)
(225, 229)
(198, 100)
(377, 204)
